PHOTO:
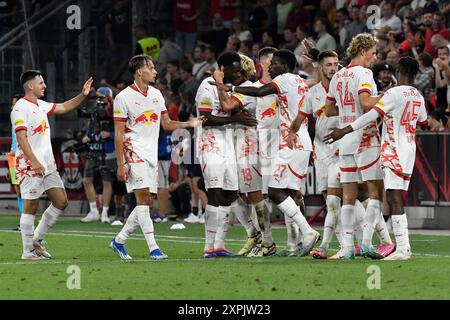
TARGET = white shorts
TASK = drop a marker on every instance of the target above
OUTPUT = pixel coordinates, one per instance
(248, 167)
(163, 174)
(327, 173)
(363, 166)
(142, 175)
(218, 162)
(394, 180)
(32, 188)
(289, 170)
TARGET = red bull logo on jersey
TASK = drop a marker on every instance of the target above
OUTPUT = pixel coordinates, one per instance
(147, 117)
(40, 129)
(270, 112)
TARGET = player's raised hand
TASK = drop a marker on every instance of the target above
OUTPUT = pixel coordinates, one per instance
(219, 75)
(122, 174)
(291, 140)
(334, 135)
(220, 86)
(87, 87)
(196, 122)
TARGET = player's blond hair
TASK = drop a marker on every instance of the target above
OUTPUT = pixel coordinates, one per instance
(363, 41)
(248, 66)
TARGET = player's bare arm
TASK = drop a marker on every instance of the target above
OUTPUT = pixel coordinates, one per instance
(295, 126)
(119, 130)
(65, 107)
(263, 91)
(171, 125)
(226, 102)
(368, 101)
(22, 140)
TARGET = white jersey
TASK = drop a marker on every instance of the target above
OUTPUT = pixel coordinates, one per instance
(142, 114)
(402, 107)
(345, 87)
(244, 101)
(33, 117)
(291, 90)
(314, 105)
(266, 110)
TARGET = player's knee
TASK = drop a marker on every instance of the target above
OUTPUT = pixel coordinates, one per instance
(61, 204)
(333, 202)
(276, 195)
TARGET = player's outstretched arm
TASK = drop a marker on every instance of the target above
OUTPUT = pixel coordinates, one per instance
(226, 102)
(263, 91)
(170, 125)
(22, 140)
(65, 107)
(368, 101)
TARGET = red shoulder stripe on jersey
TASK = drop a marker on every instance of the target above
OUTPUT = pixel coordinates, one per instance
(204, 109)
(237, 100)
(319, 112)
(398, 174)
(295, 173)
(20, 128)
(120, 119)
(164, 112)
(364, 90)
(380, 111)
(331, 98)
(35, 103)
(353, 169)
(369, 165)
(304, 113)
(51, 110)
(276, 87)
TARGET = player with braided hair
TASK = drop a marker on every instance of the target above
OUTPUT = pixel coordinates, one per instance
(402, 108)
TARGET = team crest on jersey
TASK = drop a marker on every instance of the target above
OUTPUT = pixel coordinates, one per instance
(147, 117)
(40, 129)
(270, 112)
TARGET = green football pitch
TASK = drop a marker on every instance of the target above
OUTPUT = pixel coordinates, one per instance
(185, 275)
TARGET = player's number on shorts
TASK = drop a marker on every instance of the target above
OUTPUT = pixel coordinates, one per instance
(407, 117)
(348, 97)
(279, 170)
(247, 175)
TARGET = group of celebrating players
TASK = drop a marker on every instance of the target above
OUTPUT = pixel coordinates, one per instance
(254, 149)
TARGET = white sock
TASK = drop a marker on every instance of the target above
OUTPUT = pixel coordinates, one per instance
(372, 214)
(146, 224)
(290, 208)
(240, 210)
(292, 233)
(382, 230)
(27, 231)
(348, 224)
(223, 215)
(48, 219)
(333, 207)
(130, 226)
(93, 207)
(105, 211)
(210, 226)
(400, 227)
(338, 231)
(267, 227)
(360, 219)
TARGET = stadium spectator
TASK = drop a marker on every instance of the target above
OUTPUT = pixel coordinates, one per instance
(441, 65)
(187, 90)
(383, 75)
(392, 58)
(146, 44)
(283, 10)
(238, 30)
(268, 39)
(9, 10)
(438, 41)
(340, 23)
(356, 26)
(198, 61)
(227, 9)
(165, 144)
(425, 77)
(233, 44)
(437, 27)
(218, 35)
(173, 76)
(290, 39)
(298, 15)
(409, 29)
(169, 51)
(389, 21)
(186, 14)
(246, 48)
(325, 41)
(257, 19)
(403, 9)
(438, 120)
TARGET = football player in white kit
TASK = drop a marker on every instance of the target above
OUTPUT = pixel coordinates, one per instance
(352, 92)
(139, 111)
(402, 108)
(34, 161)
(248, 166)
(290, 166)
(217, 156)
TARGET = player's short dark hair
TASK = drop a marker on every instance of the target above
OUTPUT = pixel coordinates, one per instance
(29, 75)
(326, 54)
(408, 66)
(228, 58)
(265, 52)
(287, 57)
(138, 62)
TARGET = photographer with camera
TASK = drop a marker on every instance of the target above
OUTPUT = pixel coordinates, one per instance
(101, 156)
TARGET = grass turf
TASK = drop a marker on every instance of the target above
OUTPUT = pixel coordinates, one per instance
(185, 275)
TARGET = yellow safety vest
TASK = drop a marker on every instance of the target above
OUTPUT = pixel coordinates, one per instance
(150, 46)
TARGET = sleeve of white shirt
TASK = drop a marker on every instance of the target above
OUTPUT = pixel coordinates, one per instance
(365, 119)
(387, 103)
(47, 107)
(19, 119)
(422, 118)
(162, 103)
(366, 83)
(279, 83)
(120, 109)
(306, 108)
(205, 100)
